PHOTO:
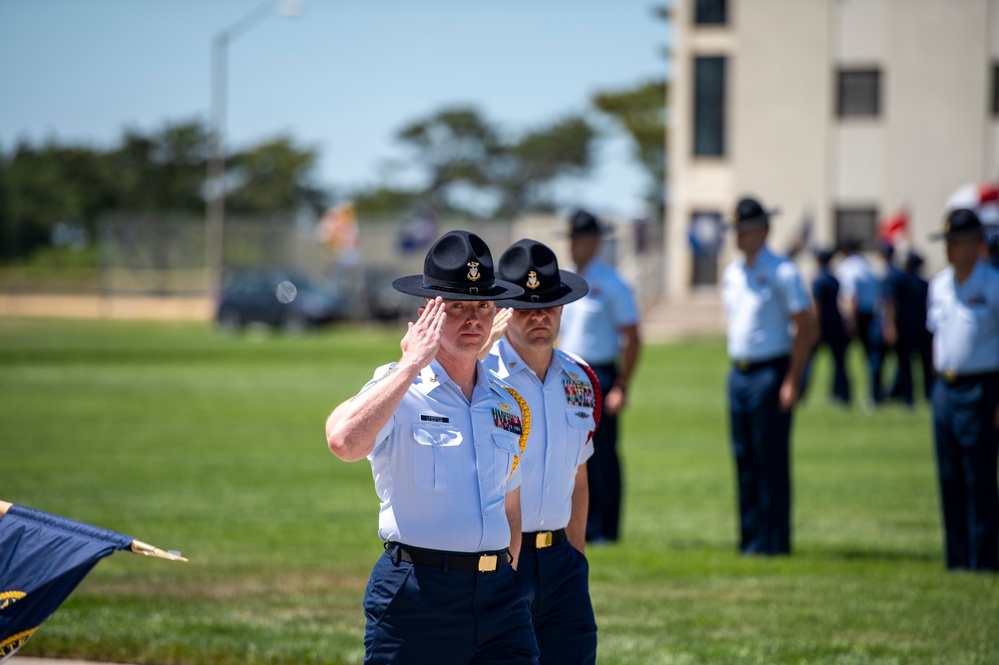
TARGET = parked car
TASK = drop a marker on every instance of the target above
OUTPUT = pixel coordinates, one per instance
(285, 299)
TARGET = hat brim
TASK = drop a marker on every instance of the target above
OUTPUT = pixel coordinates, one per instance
(602, 231)
(752, 222)
(572, 288)
(954, 235)
(414, 285)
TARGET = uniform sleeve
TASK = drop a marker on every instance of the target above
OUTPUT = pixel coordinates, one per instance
(933, 309)
(789, 279)
(622, 303)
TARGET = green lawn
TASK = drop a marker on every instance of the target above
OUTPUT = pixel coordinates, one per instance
(214, 446)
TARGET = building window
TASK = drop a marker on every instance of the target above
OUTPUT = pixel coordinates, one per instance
(856, 224)
(858, 93)
(709, 106)
(710, 12)
(995, 88)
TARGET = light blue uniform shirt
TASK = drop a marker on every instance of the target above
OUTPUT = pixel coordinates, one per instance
(856, 279)
(561, 422)
(964, 320)
(759, 302)
(442, 466)
(591, 326)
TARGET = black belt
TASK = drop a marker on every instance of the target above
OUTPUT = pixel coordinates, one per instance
(952, 378)
(746, 366)
(537, 540)
(484, 562)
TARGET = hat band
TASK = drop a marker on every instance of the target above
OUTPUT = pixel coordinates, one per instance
(440, 285)
(549, 293)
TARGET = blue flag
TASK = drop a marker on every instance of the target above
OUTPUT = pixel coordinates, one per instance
(43, 557)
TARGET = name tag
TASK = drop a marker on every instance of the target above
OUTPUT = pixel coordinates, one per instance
(434, 419)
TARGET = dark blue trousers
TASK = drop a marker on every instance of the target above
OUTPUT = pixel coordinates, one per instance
(761, 447)
(967, 447)
(424, 615)
(603, 470)
(563, 615)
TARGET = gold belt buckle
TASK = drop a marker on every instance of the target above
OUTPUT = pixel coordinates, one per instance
(543, 539)
(950, 375)
(487, 563)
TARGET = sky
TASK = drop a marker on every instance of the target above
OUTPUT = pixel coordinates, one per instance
(343, 77)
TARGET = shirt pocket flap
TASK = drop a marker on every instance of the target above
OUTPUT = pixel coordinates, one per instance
(429, 435)
(580, 417)
(507, 442)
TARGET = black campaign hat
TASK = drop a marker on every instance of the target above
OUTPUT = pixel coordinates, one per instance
(583, 224)
(960, 223)
(749, 212)
(458, 267)
(532, 265)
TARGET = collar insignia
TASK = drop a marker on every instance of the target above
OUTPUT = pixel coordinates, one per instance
(473, 271)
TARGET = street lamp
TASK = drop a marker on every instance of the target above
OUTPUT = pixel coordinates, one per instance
(215, 223)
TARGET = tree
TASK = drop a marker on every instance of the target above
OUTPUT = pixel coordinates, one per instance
(641, 111)
(563, 149)
(273, 177)
(453, 147)
(463, 158)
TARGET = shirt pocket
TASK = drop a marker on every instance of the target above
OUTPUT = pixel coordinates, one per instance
(580, 420)
(505, 446)
(436, 458)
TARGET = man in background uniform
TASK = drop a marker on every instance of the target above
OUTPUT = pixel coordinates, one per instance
(602, 329)
(565, 400)
(963, 315)
(444, 438)
(860, 291)
(763, 297)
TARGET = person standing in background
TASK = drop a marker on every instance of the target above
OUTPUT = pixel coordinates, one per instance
(918, 289)
(832, 330)
(859, 288)
(963, 315)
(602, 329)
(771, 332)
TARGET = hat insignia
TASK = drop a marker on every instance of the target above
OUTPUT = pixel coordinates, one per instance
(473, 271)
(532, 280)
(947, 226)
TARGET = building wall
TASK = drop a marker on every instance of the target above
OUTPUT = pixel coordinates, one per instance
(786, 144)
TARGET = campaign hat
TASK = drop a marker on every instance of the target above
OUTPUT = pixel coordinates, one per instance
(534, 267)
(458, 266)
(750, 213)
(960, 223)
(583, 224)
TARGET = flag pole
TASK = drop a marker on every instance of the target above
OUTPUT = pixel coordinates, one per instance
(138, 546)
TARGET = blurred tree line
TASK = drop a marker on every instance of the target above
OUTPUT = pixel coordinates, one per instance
(463, 162)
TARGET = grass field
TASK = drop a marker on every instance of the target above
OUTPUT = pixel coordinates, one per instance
(214, 446)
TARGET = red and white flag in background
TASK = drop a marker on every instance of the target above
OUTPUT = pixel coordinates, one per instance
(894, 228)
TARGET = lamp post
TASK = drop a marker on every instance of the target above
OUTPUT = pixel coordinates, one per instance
(215, 222)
